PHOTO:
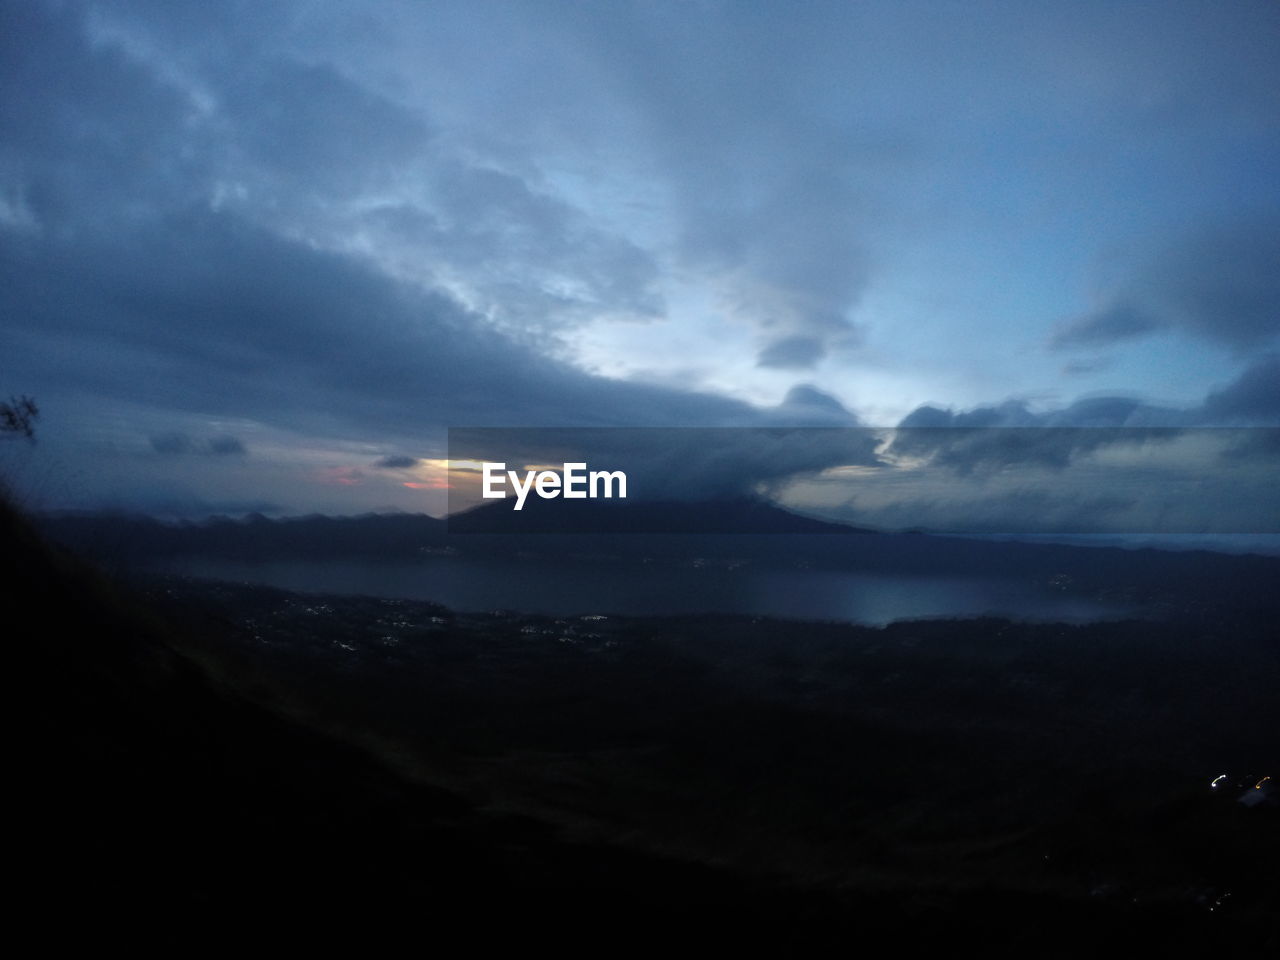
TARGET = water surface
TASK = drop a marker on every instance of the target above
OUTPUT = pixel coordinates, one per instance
(583, 587)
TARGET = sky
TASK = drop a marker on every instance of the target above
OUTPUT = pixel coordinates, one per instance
(259, 256)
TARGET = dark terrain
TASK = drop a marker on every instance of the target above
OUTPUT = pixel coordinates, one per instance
(219, 763)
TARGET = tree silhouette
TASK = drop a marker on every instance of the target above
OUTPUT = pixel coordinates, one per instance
(17, 417)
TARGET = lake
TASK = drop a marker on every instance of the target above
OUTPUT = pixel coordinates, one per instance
(569, 587)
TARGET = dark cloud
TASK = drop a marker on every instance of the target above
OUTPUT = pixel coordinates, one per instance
(791, 353)
(396, 463)
(1224, 283)
(1221, 284)
(1119, 321)
(204, 312)
(1254, 397)
(976, 439)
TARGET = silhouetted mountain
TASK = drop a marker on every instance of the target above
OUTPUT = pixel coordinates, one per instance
(600, 516)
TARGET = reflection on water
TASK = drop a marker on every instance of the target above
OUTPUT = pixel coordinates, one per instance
(570, 587)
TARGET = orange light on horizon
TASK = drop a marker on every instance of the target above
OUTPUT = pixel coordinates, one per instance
(340, 476)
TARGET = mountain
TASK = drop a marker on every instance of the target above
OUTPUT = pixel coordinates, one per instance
(716, 517)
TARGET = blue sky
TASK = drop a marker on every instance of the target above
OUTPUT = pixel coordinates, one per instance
(252, 250)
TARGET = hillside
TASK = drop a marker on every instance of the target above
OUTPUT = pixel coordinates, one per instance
(150, 780)
(243, 762)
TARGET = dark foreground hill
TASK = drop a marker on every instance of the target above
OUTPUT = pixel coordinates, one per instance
(238, 766)
(157, 801)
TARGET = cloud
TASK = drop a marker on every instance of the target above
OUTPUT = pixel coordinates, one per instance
(171, 444)
(1254, 397)
(789, 353)
(806, 405)
(1219, 284)
(1101, 464)
(192, 283)
(396, 463)
(85, 127)
(771, 208)
(316, 127)
(123, 114)
(181, 444)
(681, 463)
(806, 433)
(204, 312)
(358, 225)
(1082, 366)
(1009, 434)
(226, 446)
(1112, 324)
(525, 259)
(340, 476)
(979, 439)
